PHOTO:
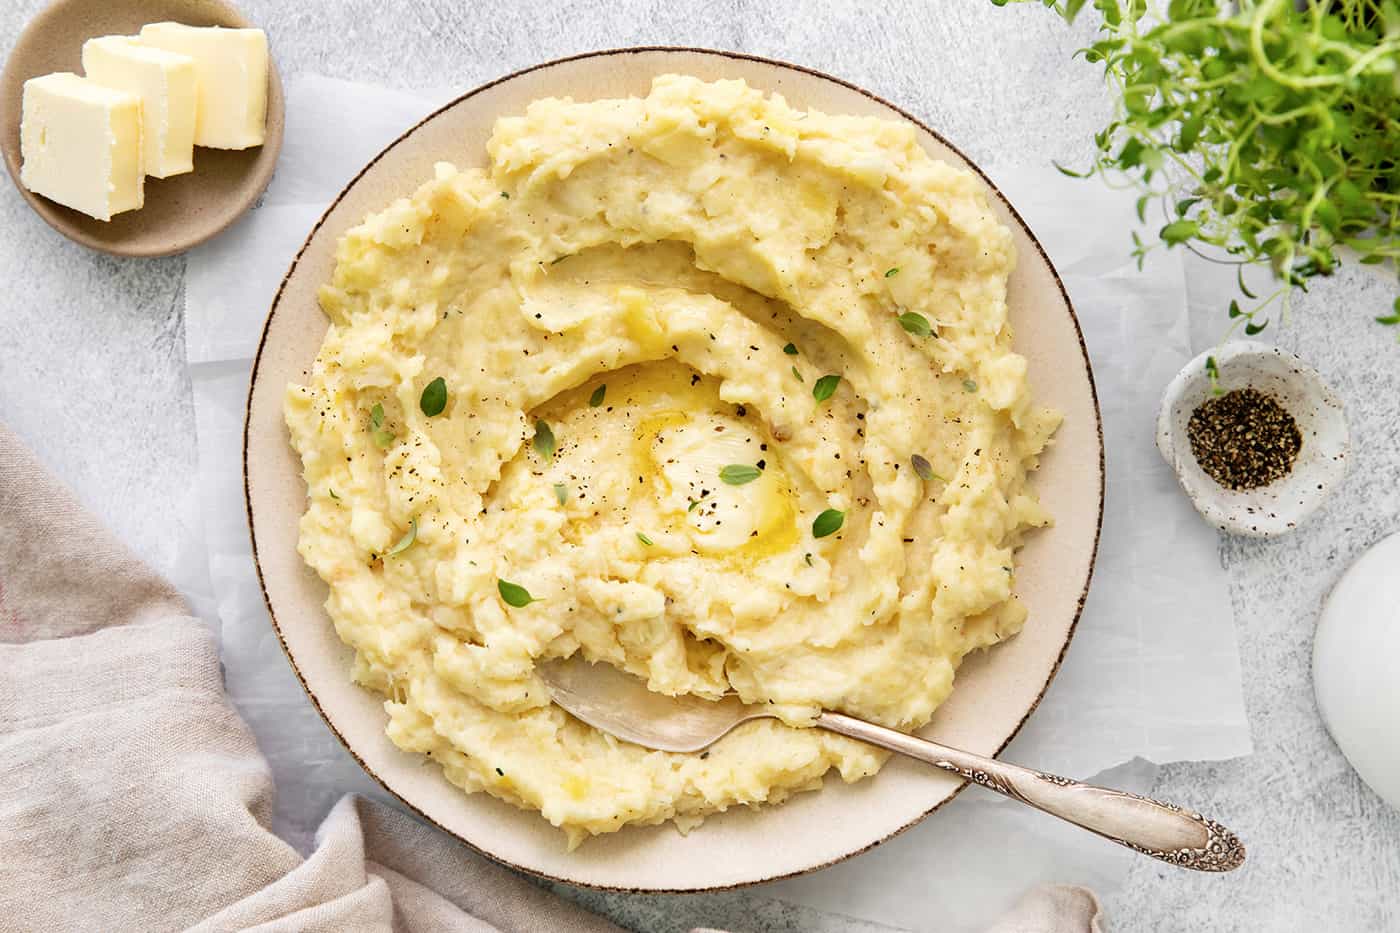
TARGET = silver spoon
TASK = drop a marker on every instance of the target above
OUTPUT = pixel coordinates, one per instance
(616, 702)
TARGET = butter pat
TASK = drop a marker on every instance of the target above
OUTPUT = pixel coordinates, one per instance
(165, 82)
(231, 73)
(81, 145)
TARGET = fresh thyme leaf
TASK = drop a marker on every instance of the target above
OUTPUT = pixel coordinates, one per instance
(798, 375)
(333, 495)
(891, 273)
(561, 492)
(808, 558)
(406, 541)
(922, 468)
(915, 323)
(514, 594)
(644, 539)
(1213, 374)
(828, 523)
(692, 505)
(598, 395)
(737, 474)
(825, 387)
(1179, 231)
(381, 435)
(504, 195)
(969, 385)
(790, 349)
(544, 440)
(434, 397)
(1252, 328)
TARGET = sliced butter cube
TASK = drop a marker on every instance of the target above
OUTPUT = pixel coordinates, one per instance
(165, 82)
(231, 71)
(81, 145)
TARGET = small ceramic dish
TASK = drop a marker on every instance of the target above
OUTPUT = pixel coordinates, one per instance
(181, 211)
(1277, 508)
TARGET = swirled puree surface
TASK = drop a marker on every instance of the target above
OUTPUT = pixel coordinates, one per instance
(662, 283)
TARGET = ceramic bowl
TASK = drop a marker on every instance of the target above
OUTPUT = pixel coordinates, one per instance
(996, 690)
(1279, 507)
(181, 211)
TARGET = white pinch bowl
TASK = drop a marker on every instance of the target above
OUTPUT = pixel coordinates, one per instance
(1279, 507)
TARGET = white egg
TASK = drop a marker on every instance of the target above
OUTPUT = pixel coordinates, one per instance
(1356, 667)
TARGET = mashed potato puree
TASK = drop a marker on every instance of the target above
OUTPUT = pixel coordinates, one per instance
(659, 286)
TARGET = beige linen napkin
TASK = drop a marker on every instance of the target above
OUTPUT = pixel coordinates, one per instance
(132, 796)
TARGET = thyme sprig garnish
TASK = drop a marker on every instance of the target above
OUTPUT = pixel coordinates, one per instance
(381, 435)
(514, 594)
(916, 324)
(544, 440)
(406, 541)
(825, 387)
(828, 523)
(434, 397)
(737, 474)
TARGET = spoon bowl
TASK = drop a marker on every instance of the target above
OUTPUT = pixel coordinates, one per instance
(620, 704)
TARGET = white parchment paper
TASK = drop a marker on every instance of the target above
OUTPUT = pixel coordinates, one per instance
(1153, 673)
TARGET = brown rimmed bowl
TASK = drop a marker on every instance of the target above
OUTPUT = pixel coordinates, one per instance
(996, 690)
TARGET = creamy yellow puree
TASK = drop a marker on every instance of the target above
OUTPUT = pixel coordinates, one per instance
(699, 258)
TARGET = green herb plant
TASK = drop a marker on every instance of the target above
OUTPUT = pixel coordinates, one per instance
(1267, 132)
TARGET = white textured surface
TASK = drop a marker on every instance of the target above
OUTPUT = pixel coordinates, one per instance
(92, 376)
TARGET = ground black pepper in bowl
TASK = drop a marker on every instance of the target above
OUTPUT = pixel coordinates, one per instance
(1244, 439)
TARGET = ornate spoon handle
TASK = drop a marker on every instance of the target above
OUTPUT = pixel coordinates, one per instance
(1160, 830)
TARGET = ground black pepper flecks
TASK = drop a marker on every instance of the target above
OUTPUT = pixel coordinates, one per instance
(1244, 439)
